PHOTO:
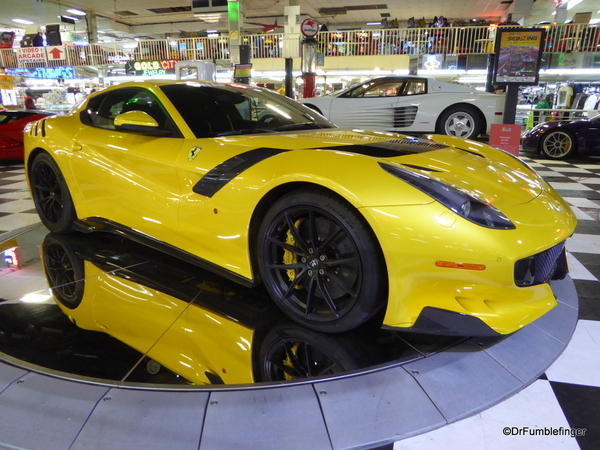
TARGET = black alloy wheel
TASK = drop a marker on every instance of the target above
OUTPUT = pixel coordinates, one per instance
(320, 261)
(64, 271)
(51, 195)
(293, 359)
(290, 352)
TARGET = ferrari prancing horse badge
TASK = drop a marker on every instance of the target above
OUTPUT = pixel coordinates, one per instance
(194, 151)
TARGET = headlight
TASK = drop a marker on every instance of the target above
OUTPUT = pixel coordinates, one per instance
(458, 201)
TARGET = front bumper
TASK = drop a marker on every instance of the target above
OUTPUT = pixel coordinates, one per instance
(414, 237)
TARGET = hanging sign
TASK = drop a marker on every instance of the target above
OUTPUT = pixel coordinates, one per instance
(48, 73)
(31, 54)
(150, 68)
(56, 53)
(309, 27)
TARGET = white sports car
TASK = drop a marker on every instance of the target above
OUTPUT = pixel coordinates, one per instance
(412, 104)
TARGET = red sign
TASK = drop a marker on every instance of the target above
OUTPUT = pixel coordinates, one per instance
(506, 137)
(309, 27)
(31, 54)
(56, 53)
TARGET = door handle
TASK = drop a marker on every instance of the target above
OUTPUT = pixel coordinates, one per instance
(76, 146)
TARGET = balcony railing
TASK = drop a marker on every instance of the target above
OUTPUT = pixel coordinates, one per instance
(416, 41)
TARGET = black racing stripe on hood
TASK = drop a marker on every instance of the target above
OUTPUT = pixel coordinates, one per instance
(389, 149)
(222, 174)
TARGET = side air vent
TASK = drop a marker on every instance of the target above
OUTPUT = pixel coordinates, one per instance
(405, 116)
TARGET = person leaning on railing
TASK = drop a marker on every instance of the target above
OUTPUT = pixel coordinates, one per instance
(544, 103)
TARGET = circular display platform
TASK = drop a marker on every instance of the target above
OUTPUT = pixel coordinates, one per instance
(166, 355)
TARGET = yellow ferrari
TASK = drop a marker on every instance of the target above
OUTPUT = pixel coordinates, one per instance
(436, 234)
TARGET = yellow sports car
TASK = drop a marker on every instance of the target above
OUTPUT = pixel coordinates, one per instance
(436, 234)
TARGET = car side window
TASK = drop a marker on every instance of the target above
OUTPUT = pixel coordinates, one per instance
(102, 109)
(414, 87)
(7, 117)
(377, 88)
(4, 118)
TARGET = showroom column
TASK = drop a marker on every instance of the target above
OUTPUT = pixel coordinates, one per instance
(92, 27)
(291, 42)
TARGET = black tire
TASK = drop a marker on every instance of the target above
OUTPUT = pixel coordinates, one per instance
(51, 195)
(460, 121)
(64, 270)
(558, 144)
(292, 352)
(334, 279)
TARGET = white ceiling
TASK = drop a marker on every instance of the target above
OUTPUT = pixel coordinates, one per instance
(144, 22)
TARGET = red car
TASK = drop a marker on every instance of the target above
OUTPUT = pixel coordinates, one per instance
(12, 123)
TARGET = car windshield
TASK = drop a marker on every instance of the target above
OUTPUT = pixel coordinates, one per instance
(215, 110)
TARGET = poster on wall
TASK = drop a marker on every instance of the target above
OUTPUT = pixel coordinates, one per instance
(518, 55)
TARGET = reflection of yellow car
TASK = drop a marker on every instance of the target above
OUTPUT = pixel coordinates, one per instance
(193, 323)
(438, 234)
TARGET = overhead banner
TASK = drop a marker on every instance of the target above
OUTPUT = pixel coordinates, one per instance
(518, 55)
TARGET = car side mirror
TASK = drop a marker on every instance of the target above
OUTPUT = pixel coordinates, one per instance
(141, 122)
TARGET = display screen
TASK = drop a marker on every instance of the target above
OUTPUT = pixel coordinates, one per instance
(518, 55)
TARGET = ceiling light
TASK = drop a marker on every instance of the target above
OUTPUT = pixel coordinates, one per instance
(373, 23)
(573, 3)
(23, 21)
(76, 12)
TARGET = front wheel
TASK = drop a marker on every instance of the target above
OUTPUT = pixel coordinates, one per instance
(558, 144)
(292, 352)
(462, 122)
(320, 261)
(51, 195)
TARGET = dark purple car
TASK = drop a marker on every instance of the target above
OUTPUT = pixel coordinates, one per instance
(560, 140)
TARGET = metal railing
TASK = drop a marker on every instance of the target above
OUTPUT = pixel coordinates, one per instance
(530, 117)
(450, 40)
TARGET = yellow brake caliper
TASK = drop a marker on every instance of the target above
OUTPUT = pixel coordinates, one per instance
(288, 361)
(289, 257)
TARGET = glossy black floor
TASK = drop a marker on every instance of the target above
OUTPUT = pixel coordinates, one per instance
(568, 394)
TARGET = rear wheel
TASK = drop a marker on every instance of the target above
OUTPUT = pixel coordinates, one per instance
(460, 121)
(51, 195)
(558, 144)
(64, 270)
(320, 262)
